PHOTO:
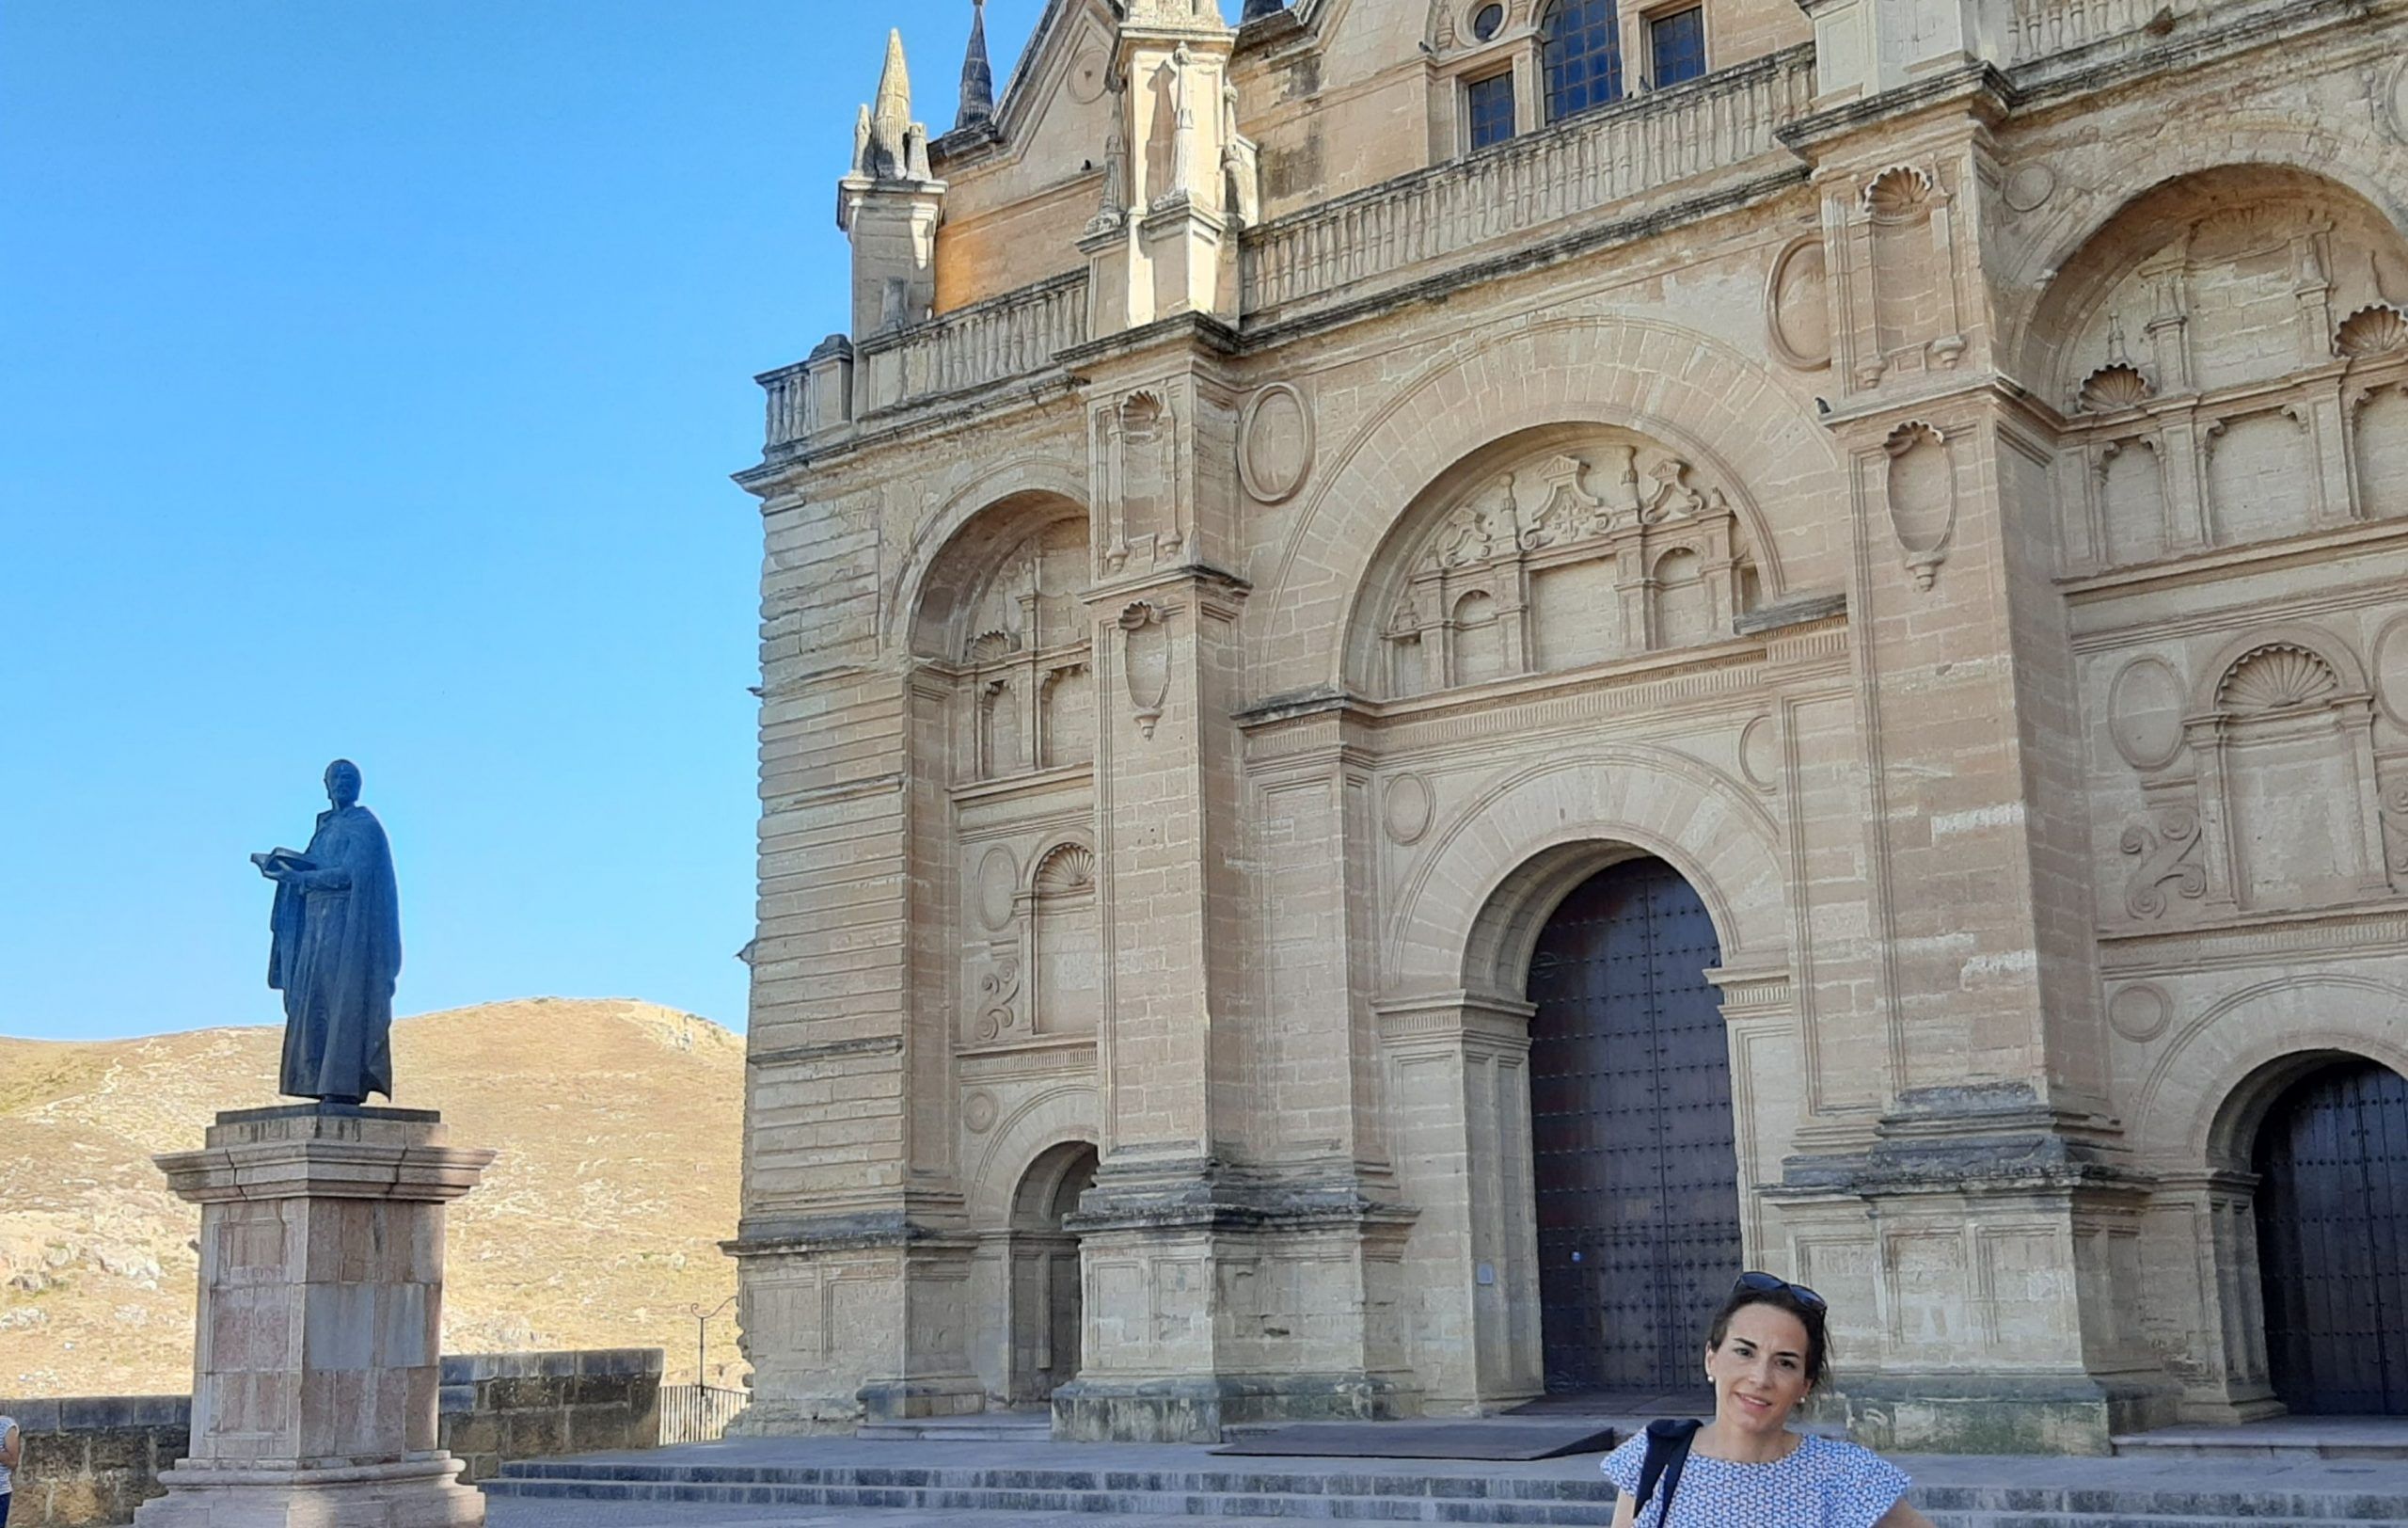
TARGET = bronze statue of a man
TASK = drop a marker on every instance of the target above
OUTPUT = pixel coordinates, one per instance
(337, 948)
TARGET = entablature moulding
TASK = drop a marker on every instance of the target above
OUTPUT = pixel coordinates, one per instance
(1730, 675)
(2096, 600)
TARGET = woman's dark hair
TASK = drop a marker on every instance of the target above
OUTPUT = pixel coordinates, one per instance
(1813, 1317)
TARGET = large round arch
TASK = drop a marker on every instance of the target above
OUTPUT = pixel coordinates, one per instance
(1633, 1145)
(2328, 1149)
(2200, 1115)
(968, 528)
(1671, 384)
(1470, 906)
(1473, 909)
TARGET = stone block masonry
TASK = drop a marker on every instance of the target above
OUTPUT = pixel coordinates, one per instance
(499, 1407)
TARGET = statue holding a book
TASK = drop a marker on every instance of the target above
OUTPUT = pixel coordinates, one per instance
(336, 949)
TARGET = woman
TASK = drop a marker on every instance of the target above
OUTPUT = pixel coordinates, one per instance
(1765, 1354)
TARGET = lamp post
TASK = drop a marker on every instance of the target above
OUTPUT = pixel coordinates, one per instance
(702, 1326)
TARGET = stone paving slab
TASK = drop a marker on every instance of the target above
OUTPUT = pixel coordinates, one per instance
(506, 1513)
(2130, 1472)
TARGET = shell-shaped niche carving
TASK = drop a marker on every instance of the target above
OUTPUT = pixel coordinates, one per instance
(1068, 870)
(1898, 193)
(2377, 329)
(987, 646)
(2274, 677)
(2115, 385)
(1922, 483)
(2257, 227)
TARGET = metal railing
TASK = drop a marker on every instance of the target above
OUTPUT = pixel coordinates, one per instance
(698, 1413)
(1592, 161)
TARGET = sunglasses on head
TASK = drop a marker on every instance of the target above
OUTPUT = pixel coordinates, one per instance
(1765, 1283)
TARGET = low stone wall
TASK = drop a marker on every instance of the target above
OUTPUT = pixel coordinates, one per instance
(94, 1458)
(91, 1460)
(499, 1407)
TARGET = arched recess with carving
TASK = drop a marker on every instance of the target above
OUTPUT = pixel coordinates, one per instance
(2229, 350)
(1715, 408)
(1001, 621)
(1555, 547)
(967, 521)
(1001, 724)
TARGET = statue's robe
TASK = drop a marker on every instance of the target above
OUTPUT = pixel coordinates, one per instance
(337, 950)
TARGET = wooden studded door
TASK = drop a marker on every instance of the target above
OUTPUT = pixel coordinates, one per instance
(2332, 1241)
(1635, 1173)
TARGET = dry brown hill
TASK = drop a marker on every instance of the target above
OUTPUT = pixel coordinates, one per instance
(619, 1125)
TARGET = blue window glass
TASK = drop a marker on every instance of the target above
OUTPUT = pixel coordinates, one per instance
(1582, 50)
(1676, 45)
(1490, 109)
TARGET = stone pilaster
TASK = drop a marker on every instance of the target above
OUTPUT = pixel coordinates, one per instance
(317, 1356)
(1997, 1179)
(1223, 1285)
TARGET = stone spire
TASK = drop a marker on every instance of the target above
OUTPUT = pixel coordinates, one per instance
(891, 204)
(890, 117)
(977, 76)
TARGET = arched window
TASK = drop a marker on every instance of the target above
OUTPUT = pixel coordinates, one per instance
(1581, 47)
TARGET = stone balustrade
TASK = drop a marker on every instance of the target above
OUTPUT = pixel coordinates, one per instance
(2042, 27)
(975, 346)
(788, 389)
(1574, 168)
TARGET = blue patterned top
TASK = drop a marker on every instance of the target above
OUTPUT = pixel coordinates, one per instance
(1821, 1484)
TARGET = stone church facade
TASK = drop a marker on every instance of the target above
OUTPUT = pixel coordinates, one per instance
(1434, 671)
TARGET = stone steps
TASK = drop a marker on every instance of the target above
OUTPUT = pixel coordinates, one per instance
(981, 1427)
(2286, 1439)
(1352, 1494)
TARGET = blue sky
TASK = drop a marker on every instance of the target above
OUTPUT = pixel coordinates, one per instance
(371, 371)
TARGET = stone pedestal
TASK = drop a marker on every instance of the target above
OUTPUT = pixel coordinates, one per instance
(317, 1356)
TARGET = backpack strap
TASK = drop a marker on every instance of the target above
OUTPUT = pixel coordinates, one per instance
(1668, 1453)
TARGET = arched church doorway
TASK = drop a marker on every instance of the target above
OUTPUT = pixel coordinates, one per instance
(1045, 1301)
(2332, 1159)
(1633, 1156)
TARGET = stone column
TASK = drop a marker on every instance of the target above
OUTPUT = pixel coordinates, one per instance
(317, 1353)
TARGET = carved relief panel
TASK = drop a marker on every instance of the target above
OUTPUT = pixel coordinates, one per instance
(1614, 547)
(1033, 946)
(2265, 779)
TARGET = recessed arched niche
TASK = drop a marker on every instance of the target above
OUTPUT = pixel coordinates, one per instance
(1552, 551)
(1002, 622)
(2192, 346)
